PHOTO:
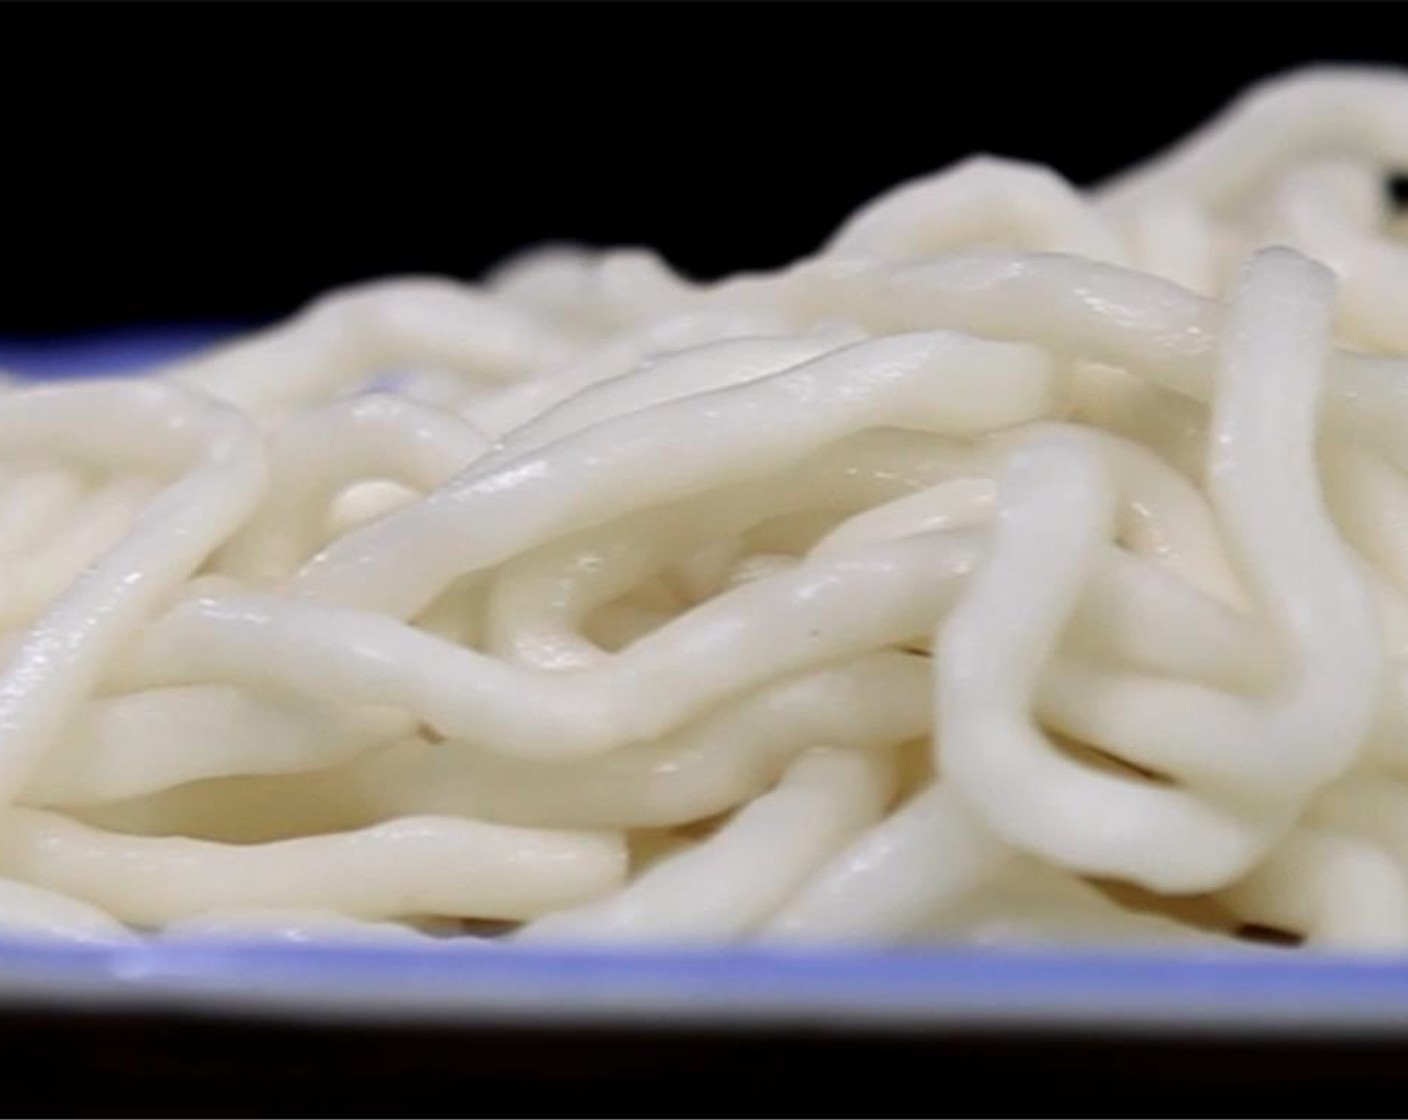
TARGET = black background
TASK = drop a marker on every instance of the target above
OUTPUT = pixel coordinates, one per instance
(174, 1065)
(216, 162)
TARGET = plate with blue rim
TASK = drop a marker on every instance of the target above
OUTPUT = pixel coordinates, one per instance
(1273, 991)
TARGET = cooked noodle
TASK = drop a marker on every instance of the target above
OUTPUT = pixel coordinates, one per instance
(1029, 565)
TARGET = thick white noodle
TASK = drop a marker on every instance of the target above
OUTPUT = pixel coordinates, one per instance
(139, 742)
(888, 882)
(981, 200)
(945, 383)
(1263, 483)
(733, 881)
(402, 868)
(1028, 565)
(64, 653)
(1321, 111)
(300, 926)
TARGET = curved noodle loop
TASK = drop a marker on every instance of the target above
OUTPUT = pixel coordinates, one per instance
(1029, 564)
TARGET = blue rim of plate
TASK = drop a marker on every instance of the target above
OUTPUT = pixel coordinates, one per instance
(107, 353)
(1261, 990)
(1277, 992)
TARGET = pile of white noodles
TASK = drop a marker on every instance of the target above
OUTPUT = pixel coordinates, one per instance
(1029, 565)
